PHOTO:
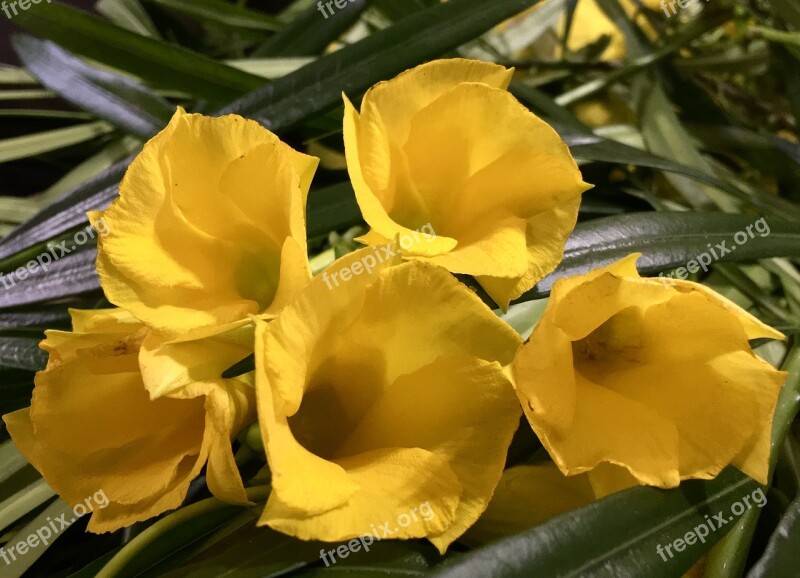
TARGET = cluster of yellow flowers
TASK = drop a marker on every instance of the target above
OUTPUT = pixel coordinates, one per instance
(399, 386)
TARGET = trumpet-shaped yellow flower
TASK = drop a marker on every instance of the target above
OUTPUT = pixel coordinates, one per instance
(380, 393)
(209, 226)
(446, 146)
(92, 425)
(658, 379)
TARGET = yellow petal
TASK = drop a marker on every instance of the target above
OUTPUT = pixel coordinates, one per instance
(424, 84)
(394, 484)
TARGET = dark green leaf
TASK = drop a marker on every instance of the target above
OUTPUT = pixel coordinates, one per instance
(225, 13)
(73, 274)
(163, 65)
(780, 558)
(110, 96)
(353, 69)
(667, 241)
(332, 208)
(67, 212)
(310, 32)
(37, 318)
(22, 353)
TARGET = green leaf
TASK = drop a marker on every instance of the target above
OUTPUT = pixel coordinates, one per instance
(161, 64)
(71, 275)
(616, 536)
(225, 13)
(66, 213)
(310, 32)
(353, 69)
(22, 353)
(11, 461)
(780, 557)
(34, 144)
(331, 208)
(30, 496)
(667, 241)
(35, 318)
(110, 96)
(52, 512)
(128, 14)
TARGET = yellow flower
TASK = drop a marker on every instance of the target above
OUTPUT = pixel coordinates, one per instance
(658, 379)
(379, 391)
(209, 226)
(445, 147)
(93, 427)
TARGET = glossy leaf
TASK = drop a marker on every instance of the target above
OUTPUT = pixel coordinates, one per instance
(110, 96)
(667, 241)
(161, 64)
(780, 557)
(353, 69)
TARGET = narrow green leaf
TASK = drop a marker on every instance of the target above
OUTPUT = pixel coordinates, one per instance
(308, 33)
(24, 501)
(35, 318)
(68, 212)
(11, 460)
(780, 557)
(42, 142)
(353, 69)
(668, 241)
(109, 96)
(73, 274)
(128, 14)
(22, 353)
(225, 13)
(161, 64)
(52, 512)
